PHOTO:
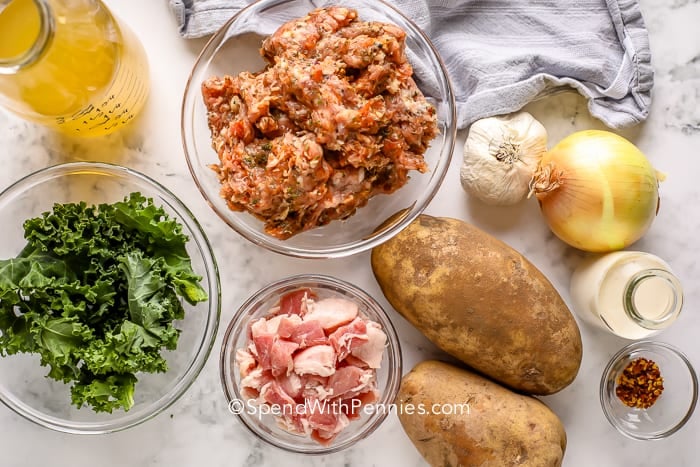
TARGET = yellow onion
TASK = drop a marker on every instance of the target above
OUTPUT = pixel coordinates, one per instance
(597, 191)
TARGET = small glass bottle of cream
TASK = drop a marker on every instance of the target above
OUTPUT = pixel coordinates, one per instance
(629, 293)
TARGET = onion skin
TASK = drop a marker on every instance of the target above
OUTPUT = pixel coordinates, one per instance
(597, 191)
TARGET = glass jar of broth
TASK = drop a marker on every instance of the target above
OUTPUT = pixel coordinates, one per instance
(629, 293)
(71, 65)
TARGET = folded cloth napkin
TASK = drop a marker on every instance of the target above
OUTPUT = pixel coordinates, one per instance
(502, 54)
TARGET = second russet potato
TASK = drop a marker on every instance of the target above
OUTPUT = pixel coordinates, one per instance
(498, 428)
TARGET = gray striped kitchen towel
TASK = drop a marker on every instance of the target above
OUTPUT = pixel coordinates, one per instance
(502, 54)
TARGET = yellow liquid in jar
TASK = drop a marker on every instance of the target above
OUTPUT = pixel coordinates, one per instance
(91, 77)
(17, 37)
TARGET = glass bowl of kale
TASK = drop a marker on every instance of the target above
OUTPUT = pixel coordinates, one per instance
(109, 298)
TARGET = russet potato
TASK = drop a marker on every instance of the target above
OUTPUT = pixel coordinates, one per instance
(456, 418)
(482, 302)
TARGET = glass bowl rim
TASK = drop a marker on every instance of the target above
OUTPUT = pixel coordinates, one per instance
(401, 219)
(605, 397)
(301, 280)
(211, 272)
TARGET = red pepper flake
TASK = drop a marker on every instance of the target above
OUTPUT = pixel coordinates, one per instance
(640, 384)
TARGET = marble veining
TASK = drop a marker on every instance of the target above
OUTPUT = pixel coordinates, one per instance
(199, 431)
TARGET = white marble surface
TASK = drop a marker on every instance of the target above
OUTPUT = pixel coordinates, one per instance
(198, 430)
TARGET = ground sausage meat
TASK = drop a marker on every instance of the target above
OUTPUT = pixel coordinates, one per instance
(333, 119)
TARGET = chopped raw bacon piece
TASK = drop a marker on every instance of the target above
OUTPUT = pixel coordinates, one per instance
(345, 379)
(245, 361)
(258, 328)
(323, 416)
(253, 351)
(281, 360)
(327, 425)
(315, 388)
(308, 334)
(349, 337)
(354, 361)
(272, 393)
(265, 326)
(349, 381)
(294, 423)
(353, 407)
(273, 324)
(263, 348)
(372, 352)
(292, 385)
(253, 383)
(332, 312)
(317, 360)
(294, 303)
(287, 325)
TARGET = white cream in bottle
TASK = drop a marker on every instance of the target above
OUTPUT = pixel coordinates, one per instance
(629, 293)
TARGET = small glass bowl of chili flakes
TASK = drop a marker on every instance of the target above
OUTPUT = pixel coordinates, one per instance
(649, 390)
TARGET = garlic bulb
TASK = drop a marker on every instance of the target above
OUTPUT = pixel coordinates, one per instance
(501, 155)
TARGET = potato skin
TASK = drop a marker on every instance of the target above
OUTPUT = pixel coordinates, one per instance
(482, 302)
(500, 428)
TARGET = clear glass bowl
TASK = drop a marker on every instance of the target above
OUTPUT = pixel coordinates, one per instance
(670, 411)
(263, 425)
(234, 49)
(24, 386)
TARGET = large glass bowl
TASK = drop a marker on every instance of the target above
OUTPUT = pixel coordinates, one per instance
(263, 424)
(235, 48)
(24, 386)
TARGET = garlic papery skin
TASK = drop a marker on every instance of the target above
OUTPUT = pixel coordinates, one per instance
(501, 155)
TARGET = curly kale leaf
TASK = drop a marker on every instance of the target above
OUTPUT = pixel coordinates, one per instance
(165, 240)
(104, 394)
(95, 292)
